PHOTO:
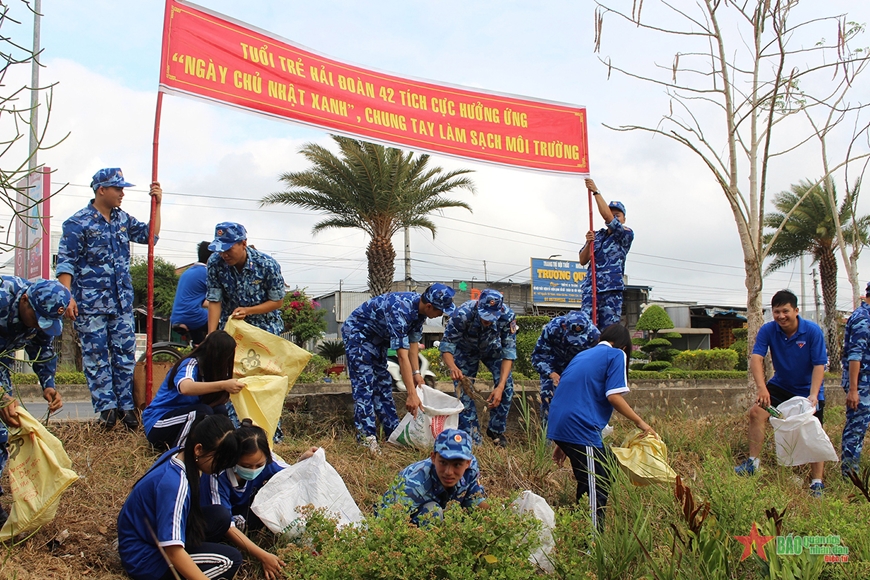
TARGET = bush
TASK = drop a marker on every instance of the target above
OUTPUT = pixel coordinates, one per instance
(675, 373)
(656, 365)
(717, 359)
(331, 350)
(68, 378)
(314, 370)
(636, 366)
(528, 331)
(653, 319)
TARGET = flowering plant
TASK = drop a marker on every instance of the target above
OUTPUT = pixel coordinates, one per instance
(302, 316)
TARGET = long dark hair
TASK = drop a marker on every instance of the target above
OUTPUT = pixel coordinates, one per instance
(214, 355)
(251, 438)
(215, 434)
(618, 336)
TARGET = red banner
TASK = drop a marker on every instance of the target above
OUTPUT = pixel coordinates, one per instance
(210, 56)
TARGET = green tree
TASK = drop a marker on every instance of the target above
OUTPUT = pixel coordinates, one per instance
(165, 283)
(811, 230)
(377, 189)
(654, 319)
(302, 317)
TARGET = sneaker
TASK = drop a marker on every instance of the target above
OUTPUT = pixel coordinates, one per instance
(745, 468)
(817, 489)
(130, 419)
(371, 442)
(107, 419)
(498, 439)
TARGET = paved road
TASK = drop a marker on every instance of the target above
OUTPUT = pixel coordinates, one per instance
(71, 411)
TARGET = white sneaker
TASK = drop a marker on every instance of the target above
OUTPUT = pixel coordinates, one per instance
(372, 443)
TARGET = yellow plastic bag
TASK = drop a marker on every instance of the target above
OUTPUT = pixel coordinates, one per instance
(645, 459)
(39, 472)
(262, 353)
(262, 401)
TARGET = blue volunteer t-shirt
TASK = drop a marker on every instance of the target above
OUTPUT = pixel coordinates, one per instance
(580, 409)
(229, 490)
(168, 397)
(189, 295)
(161, 500)
(793, 357)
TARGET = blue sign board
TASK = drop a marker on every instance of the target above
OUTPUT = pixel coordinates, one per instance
(556, 281)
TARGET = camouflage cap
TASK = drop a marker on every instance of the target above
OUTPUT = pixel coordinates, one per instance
(49, 299)
(581, 330)
(226, 235)
(453, 444)
(441, 297)
(490, 305)
(617, 205)
(109, 177)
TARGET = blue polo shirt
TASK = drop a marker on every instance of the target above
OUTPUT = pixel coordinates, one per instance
(793, 357)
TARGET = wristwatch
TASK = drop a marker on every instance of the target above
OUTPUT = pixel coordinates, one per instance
(415, 373)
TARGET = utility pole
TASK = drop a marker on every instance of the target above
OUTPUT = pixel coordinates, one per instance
(407, 259)
(485, 277)
(34, 90)
(816, 318)
(803, 283)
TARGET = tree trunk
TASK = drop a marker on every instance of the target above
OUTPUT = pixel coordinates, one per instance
(754, 308)
(828, 274)
(382, 265)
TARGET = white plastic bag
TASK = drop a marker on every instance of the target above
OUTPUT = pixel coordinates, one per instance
(799, 436)
(538, 506)
(309, 482)
(440, 412)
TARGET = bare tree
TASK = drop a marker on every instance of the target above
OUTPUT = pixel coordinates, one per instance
(745, 76)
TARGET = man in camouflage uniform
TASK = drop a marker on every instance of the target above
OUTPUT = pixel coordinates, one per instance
(611, 247)
(856, 383)
(30, 318)
(389, 321)
(482, 330)
(562, 338)
(93, 261)
(242, 282)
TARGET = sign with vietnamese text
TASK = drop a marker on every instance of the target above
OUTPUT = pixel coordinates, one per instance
(32, 238)
(556, 282)
(210, 56)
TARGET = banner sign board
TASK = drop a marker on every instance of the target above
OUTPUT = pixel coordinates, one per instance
(32, 237)
(556, 282)
(210, 56)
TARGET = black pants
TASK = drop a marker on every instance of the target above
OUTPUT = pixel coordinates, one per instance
(216, 560)
(779, 395)
(171, 429)
(590, 467)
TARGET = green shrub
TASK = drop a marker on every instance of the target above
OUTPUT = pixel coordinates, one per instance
(331, 350)
(654, 319)
(656, 365)
(61, 378)
(528, 331)
(655, 343)
(638, 355)
(533, 324)
(636, 366)
(717, 359)
(638, 341)
(675, 373)
(740, 333)
(741, 347)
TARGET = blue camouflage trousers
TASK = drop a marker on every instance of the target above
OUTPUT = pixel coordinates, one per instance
(857, 421)
(108, 356)
(372, 388)
(468, 421)
(609, 307)
(548, 389)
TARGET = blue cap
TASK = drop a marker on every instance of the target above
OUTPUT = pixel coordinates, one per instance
(490, 305)
(49, 299)
(453, 444)
(226, 235)
(109, 177)
(617, 205)
(441, 297)
(581, 331)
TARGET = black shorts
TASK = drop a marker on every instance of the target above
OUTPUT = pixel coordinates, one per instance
(779, 395)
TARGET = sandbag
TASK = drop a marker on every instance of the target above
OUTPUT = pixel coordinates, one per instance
(440, 411)
(262, 353)
(799, 436)
(39, 472)
(262, 401)
(312, 481)
(530, 502)
(645, 459)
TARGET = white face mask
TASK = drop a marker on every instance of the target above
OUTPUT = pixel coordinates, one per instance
(248, 474)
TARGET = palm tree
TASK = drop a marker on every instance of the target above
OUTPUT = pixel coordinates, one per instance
(377, 189)
(811, 230)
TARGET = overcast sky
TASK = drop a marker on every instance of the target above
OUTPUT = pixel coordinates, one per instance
(217, 162)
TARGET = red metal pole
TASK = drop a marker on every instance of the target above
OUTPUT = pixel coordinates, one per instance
(149, 327)
(594, 282)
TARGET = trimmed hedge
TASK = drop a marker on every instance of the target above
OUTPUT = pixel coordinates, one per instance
(716, 359)
(656, 365)
(674, 373)
(74, 378)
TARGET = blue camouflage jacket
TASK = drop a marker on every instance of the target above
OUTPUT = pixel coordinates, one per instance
(557, 345)
(418, 484)
(258, 281)
(857, 345)
(15, 335)
(393, 318)
(466, 334)
(610, 252)
(96, 253)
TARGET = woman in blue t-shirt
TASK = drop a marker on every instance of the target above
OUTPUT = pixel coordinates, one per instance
(162, 519)
(589, 390)
(198, 385)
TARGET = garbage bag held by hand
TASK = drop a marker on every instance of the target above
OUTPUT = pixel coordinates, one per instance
(799, 436)
(312, 481)
(39, 472)
(440, 411)
(262, 401)
(262, 353)
(645, 459)
(530, 502)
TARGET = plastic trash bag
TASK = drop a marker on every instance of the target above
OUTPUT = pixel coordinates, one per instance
(530, 502)
(440, 411)
(262, 353)
(312, 481)
(262, 401)
(39, 472)
(645, 459)
(799, 436)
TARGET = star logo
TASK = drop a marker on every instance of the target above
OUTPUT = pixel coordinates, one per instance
(457, 438)
(753, 538)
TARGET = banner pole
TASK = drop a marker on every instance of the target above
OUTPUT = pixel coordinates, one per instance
(149, 326)
(594, 281)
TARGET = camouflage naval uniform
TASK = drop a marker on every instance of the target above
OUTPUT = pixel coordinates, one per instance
(562, 338)
(611, 247)
(471, 343)
(388, 321)
(258, 281)
(96, 253)
(856, 347)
